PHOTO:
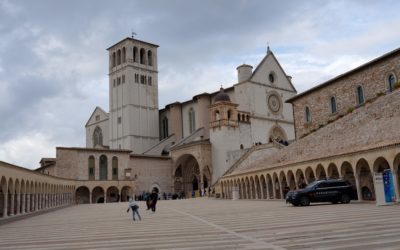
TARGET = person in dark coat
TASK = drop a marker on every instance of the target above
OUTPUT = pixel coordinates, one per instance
(153, 198)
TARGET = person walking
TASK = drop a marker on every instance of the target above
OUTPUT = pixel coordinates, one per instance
(134, 207)
(153, 198)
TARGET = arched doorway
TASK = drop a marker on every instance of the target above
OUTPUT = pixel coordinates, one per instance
(320, 172)
(82, 195)
(333, 172)
(270, 187)
(348, 175)
(309, 175)
(366, 180)
(126, 193)
(112, 194)
(187, 175)
(98, 195)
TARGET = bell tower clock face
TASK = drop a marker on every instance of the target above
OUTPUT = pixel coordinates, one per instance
(274, 103)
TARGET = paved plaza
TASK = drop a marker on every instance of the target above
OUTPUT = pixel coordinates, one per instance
(209, 224)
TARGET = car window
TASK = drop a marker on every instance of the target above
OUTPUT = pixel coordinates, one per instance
(312, 184)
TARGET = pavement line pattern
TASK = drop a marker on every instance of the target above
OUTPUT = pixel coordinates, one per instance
(259, 243)
(208, 224)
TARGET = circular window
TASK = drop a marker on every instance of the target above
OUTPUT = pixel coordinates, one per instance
(271, 77)
(274, 103)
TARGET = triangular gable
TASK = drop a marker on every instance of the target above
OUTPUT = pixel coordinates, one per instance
(97, 111)
(270, 64)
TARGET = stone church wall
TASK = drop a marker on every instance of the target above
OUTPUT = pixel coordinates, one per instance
(373, 79)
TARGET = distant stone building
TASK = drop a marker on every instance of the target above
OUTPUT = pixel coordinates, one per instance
(345, 128)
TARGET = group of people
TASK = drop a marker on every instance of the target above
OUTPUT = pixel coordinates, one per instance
(151, 201)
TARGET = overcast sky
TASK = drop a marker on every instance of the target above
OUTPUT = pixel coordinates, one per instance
(54, 63)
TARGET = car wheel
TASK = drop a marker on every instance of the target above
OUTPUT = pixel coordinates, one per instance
(295, 204)
(345, 198)
(335, 202)
(304, 201)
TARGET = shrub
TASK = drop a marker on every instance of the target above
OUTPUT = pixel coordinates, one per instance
(349, 110)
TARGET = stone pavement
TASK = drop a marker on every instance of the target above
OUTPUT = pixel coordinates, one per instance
(209, 224)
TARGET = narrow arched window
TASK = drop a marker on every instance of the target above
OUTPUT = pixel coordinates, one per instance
(103, 167)
(333, 105)
(114, 60)
(91, 168)
(115, 168)
(150, 58)
(164, 128)
(123, 54)
(142, 56)
(307, 114)
(229, 114)
(391, 82)
(97, 137)
(135, 54)
(192, 120)
(118, 57)
(360, 95)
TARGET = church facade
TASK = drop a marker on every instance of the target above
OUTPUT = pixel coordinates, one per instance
(186, 146)
(249, 140)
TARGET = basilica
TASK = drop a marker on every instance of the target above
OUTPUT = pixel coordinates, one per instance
(251, 139)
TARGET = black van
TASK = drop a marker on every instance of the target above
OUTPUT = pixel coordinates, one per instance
(334, 191)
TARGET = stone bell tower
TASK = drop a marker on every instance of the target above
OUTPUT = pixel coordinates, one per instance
(224, 131)
(133, 89)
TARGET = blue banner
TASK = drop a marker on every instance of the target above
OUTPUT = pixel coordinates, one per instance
(388, 186)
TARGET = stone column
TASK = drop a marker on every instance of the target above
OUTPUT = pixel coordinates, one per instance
(359, 194)
(90, 197)
(262, 190)
(12, 205)
(28, 203)
(105, 196)
(36, 202)
(273, 190)
(23, 203)
(5, 208)
(18, 204)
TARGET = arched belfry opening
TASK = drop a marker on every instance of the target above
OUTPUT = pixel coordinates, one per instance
(223, 112)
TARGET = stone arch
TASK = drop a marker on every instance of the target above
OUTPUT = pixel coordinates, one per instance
(187, 174)
(347, 173)
(277, 188)
(126, 193)
(155, 187)
(119, 57)
(277, 133)
(333, 172)
(98, 195)
(365, 179)
(114, 59)
(82, 195)
(150, 58)
(17, 191)
(380, 164)
(309, 174)
(135, 54)
(123, 55)
(301, 181)
(291, 180)
(270, 186)
(142, 56)
(263, 186)
(320, 173)
(207, 177)
(22, 197)
(112, 194)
